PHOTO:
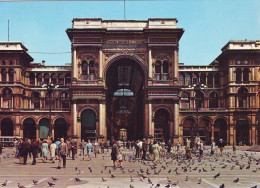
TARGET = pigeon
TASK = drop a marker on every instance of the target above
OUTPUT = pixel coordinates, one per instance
(175, 183)
(4, 183)
(236, 180)
(76, 168)
(158, 185)
(217, 175)
(103, 180)
(112, 176)
(131, 179)
(50, 183)
(186, 178)
(254, 186)
(109, 171)
(35, 182)
(150, 181)
(20, 186)
(77, 180)
(131, 170)
(199, 182)
(222, 185)
(169, 171)
(54, 179)
(131, 186)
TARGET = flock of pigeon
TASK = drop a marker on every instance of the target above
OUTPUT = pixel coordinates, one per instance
(174, 166)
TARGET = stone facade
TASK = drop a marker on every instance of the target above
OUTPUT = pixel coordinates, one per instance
(125, 80)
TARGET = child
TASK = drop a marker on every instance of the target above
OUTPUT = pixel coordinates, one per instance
(120, 159)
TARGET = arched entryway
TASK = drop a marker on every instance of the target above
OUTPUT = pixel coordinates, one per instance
(204, 125)
(188, 128)
(125, 98)
(161, 125)
(7, 127)
(29, 129)
(242, 132)
(88, 124)
(60, 128)
(44, 128)
(220, 129)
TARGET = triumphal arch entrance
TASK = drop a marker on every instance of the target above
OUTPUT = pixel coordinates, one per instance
(125, 78)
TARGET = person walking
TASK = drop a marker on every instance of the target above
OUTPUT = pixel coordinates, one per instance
(82, 146)
(57, 148)
(201, 149)
(114, 153)
(89, 148)
(102, 146)
(26, 150)
(156, 152)
(52, 151)
(169, 148)
(15, 148)
(74, 147)
(137, 149)
(20, 151)
(95, 148)
(221, 146)
(145, 147)
(44, 150)
(35, 150)
(63, 151)
(212, 147)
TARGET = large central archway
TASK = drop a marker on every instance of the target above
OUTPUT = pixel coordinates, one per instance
(125, 79)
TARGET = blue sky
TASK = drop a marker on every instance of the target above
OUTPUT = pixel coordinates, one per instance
(208, 24)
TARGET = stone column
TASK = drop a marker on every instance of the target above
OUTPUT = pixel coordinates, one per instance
(37, 127)
(102, 118)
(171, 124)
(146, 118)
(150, 63)
(74, 117)
(231, 134)
(212, 132)
(100, 62)
(176, 120)
(151, 125)
(176, 64)
(75, 66)
(52, 130)
(230, 74)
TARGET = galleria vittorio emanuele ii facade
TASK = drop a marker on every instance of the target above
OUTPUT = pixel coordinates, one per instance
(125, 81)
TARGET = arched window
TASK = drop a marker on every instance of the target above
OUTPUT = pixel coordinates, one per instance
(243, 98)
(203, 78)
(246, 75)
(7, 98)
(185, 100)
(194, 79)
(49, 100)
(213, 100)
(158, 66)
(39, 79)
(53, 78)
(46, 78)
(217, 80)
(199, 99)
(68, 79)
(165, 70)
(182, 79)
(61, 79)
(32, 79)
(84, 70)
(36, 100)
(11, 75)
(238, 75)
(210, 80)
(3, 73)
(64, 100)
(188, 79)
(92, 70)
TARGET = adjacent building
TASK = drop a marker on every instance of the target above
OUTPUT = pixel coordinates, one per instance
(125, 81)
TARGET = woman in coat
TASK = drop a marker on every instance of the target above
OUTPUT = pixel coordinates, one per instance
(156, 152)
(44, 150)
(52, 150)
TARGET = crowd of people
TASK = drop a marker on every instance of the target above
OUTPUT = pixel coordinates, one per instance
(59, 149)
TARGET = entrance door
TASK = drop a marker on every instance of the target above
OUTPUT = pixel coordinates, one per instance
(162, 126)
(60, 128)
(29, 130)
(88, 124)
(44, 128)
(242, 132)
(7, 127)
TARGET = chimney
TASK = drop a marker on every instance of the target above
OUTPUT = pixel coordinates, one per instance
(43, 62)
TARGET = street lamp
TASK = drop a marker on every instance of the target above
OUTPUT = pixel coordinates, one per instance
(197, 87)
(50, 87)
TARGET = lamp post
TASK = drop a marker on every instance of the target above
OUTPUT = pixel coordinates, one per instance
(50, 87)
(197, 87)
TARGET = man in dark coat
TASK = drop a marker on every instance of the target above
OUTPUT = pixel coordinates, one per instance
(73, 144)
(36, 148)
(26, 150)
(144, 147)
